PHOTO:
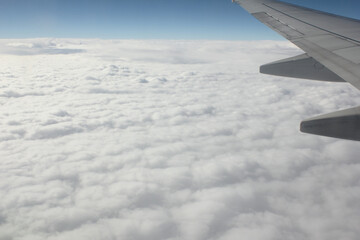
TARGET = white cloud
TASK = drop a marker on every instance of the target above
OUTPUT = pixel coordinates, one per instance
(125, 139)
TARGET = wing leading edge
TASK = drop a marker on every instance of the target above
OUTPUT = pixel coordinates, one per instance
(332, 53)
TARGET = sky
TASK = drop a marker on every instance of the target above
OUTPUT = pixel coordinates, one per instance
(143, 19)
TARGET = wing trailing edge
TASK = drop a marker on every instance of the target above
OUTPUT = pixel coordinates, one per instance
(332, 53)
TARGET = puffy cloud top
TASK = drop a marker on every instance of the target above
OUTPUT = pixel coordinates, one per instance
(120, 139)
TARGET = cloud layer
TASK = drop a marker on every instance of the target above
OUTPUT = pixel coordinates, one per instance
(168, 140)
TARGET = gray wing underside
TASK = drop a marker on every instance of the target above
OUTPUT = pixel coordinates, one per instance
(331, 40)
(332, 53)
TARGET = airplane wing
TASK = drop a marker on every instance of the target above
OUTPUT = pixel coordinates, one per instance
(332, 53)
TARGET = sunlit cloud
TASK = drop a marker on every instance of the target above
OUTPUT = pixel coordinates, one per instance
(121, 139)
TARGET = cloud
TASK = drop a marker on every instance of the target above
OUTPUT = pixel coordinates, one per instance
(126, 141)
(37, 47)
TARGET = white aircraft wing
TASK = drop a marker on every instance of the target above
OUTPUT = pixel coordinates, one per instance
(332, 53)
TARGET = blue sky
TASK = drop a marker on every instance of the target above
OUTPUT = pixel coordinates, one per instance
(144, 19)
